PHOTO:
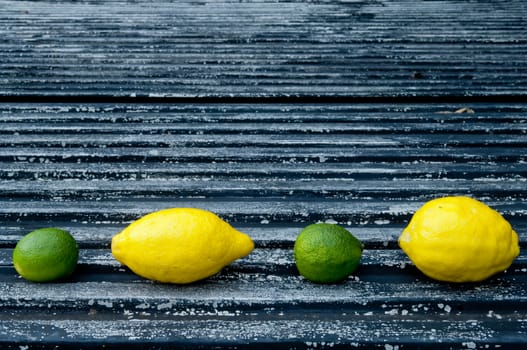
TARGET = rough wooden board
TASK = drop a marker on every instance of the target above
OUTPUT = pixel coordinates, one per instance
(269, 169)
(244, 307)
(263, 48)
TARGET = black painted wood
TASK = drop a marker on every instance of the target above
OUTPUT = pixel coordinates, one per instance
(269, 170)
(102, 120)
(263, 48)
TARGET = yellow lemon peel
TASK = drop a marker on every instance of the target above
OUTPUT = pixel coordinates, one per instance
(179, 245)
(459, 239)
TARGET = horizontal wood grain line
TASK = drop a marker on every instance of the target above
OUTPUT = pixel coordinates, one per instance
(481, 171)
(270, 210)
(187, 135)
(262, 154)
(257, 290)
(268, 111)
(259, 187)
(276, 110)
(280, 333)
(142, 97)
(389, 63)
(240, 94)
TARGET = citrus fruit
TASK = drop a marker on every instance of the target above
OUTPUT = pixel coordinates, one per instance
(459, 239)
(179, 245)
(326, 253)
(46, 255)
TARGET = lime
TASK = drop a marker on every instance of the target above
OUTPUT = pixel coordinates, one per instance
(326, 253)
(459, 239)
(46, 255)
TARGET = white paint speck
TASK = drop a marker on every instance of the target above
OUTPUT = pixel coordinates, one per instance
(392, 312)
(164, 306)
(108, 304)
(142, 306)
(469, 345)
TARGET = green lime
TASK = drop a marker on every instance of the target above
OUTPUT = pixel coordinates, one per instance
(46, 255)
(326, 253)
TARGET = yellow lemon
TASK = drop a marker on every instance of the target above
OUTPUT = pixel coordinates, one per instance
(179, 245)
(459, 239)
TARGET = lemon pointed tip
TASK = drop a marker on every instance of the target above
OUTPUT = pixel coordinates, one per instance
(245, 244)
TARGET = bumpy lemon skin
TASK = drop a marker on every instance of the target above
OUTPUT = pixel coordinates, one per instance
(179, 245)
(459, 239)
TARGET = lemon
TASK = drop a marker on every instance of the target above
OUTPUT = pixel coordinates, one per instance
(459, 239)
(46, 255)
(179, 245)
(326, 253)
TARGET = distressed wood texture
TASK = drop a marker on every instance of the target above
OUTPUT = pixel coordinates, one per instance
(269, 170)
(340, 48)
(103, 118)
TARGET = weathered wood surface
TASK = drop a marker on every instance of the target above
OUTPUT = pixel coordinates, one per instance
(268, 169)
(104, 118)
(210, 48)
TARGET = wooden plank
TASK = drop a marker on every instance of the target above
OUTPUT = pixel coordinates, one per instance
(263, 48)
(269, 170)
(266, 304)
